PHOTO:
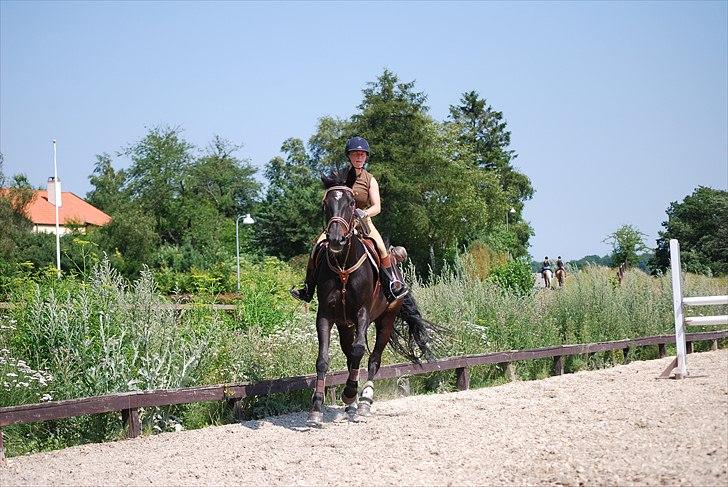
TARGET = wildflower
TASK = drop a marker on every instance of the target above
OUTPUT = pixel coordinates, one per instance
(46, 397)
(11, 374)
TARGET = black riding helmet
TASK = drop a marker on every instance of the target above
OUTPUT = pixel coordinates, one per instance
(357, 143)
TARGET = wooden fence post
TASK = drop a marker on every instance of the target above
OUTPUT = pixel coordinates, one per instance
(509, 368)
(558, 365)
(714, 345)
(661, 350)
(462, 374)
(131, 421)
(2, 447)
(331, 394)
(625, 353)
(688, 347)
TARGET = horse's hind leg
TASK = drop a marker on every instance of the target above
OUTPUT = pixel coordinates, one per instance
(348, 395)
(316, 414)
(384, 332)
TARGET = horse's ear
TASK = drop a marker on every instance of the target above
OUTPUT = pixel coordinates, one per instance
(351, 177)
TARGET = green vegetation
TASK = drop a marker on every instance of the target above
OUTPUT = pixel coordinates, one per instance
(80, 337)
(699, 223)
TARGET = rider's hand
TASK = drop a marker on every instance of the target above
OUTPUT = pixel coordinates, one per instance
(360, 214)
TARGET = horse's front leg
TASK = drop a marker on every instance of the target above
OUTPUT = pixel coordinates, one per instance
(348, 395)
(323, 329)
(384, 333)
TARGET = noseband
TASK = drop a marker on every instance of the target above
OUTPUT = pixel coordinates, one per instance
(348, 225)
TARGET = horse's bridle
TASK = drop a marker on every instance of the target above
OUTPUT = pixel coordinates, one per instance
(348, 225)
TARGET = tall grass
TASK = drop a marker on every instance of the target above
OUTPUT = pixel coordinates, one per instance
(69, 339)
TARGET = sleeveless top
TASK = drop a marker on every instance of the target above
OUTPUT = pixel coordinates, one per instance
(361, 190)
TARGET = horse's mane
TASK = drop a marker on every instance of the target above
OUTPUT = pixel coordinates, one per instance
(339, 177)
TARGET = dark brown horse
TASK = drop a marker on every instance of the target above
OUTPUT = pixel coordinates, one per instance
(350, 298)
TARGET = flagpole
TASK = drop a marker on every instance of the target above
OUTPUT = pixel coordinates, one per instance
(57, 198)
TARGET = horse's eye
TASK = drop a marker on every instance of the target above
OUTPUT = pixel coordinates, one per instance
(351, 204)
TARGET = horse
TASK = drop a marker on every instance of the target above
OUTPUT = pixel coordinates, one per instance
(547, 278)
(349, 296)
(560, 276)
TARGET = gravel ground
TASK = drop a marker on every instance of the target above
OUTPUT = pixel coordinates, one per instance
(619, 426)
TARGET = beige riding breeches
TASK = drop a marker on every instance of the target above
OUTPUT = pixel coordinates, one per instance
(373, 234)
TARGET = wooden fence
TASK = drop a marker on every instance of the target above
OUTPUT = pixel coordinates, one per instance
(128, 403)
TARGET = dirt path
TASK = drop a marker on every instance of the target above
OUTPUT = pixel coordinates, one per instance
(614, 426)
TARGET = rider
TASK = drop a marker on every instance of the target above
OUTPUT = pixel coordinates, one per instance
(368, 205)
(559, 263)
(546, 266)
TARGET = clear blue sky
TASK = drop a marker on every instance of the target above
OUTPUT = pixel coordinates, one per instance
(616, 109)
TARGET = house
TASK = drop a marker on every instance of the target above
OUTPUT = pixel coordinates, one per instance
(74, 213)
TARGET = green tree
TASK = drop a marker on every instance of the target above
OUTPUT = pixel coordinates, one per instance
(484, 130)
(431, 188)
(627, 242)
(291, 207)
(156, 178)
(700, 223)
(15, 196)
(108, 193)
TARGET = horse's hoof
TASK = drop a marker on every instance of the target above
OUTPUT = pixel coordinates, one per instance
(348, 400)
(351, 409)
(364, 409)
(315, 419)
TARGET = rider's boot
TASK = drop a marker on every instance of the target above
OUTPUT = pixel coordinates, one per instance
(305, 293)
(392, 285)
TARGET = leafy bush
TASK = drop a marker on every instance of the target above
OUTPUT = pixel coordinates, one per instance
(514, 276)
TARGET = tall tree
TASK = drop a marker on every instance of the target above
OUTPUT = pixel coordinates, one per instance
(484, 130)
(107, 184)
(289, 214)
(429, 196)
(156, 178)
(700, 223)
(627, 242)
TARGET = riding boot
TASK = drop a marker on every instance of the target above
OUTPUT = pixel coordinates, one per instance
(392, 285)
(305, 293)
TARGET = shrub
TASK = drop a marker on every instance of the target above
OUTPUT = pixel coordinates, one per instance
(514, 276)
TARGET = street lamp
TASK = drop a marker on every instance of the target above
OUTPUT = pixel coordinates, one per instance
(247, 220)
(512, 210)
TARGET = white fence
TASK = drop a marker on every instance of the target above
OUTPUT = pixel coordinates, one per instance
(678, 303)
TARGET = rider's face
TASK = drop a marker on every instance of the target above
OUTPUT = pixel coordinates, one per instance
(358, 158)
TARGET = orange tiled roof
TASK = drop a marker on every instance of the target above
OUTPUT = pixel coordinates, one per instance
(73, 210)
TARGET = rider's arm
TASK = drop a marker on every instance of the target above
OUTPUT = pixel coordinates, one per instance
(374, 199)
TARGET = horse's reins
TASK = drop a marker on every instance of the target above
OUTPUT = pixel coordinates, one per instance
(343, 273)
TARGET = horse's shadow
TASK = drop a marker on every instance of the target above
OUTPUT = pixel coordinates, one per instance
(297, 421)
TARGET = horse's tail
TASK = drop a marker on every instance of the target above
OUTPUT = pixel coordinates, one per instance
(414, 337)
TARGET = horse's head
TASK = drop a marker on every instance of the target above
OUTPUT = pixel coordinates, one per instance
(339, 205)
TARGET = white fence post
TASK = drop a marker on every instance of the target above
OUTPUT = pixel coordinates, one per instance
(677, 306)
(681, 320)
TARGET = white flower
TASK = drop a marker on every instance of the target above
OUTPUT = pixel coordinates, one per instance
(11, 374)
(46, 397)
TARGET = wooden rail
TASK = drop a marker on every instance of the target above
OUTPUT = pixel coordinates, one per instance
(130, 402)
(172, 306)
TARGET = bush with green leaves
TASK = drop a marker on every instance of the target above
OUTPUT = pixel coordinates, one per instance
(514, 276)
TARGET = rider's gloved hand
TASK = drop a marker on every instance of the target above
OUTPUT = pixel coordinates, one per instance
(360, 214)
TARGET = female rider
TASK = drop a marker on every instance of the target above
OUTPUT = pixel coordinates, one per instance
(368, 205)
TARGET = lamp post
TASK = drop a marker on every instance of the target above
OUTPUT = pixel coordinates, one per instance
(512, 210)
(247, 220)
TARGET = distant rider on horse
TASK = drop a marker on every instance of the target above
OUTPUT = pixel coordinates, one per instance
(368, 205)
(559, 264)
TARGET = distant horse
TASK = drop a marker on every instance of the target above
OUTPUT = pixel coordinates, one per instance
(547, 275)
(349, 295)
(560, 276)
